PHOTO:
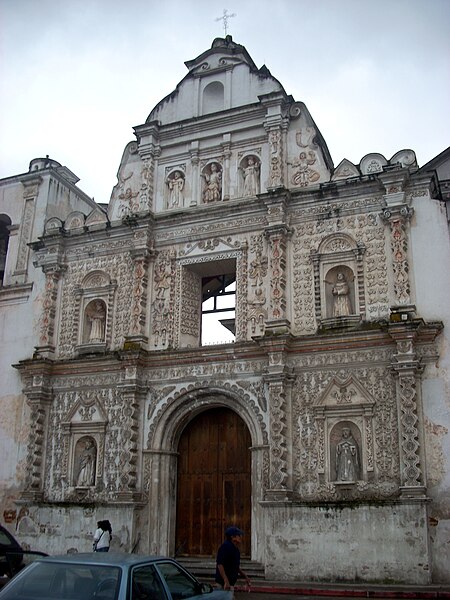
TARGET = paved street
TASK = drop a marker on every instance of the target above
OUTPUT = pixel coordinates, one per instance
(265, 596)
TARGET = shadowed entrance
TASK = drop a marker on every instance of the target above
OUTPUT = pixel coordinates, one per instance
(214, 482)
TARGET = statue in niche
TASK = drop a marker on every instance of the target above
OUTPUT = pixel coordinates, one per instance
(347, 457)
(212, 190)
(96, 314)
(342, 306)
(86, 464)
(251, 177)
(175, 183)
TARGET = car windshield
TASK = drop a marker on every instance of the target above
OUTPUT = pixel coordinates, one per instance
(64, 581)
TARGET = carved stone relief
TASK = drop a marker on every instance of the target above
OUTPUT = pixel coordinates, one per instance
(250, 169)
(257, 302)
(116, 296)
(163, 306)
(175, 186)
(85, 462)
(276, 178)
(398, 220)
(365, 258)
(93, 307)
(90, 454)
(212, 182)
(325, 402)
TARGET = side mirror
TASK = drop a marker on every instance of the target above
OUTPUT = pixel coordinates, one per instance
(206, 588)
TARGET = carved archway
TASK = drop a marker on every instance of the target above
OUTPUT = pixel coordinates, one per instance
(213, 482)
(161, 458)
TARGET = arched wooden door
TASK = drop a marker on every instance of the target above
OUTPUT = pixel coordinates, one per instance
(214, 482)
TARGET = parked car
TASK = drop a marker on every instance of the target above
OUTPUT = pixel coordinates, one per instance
(106, 576)
(13, 557)
(11, 554)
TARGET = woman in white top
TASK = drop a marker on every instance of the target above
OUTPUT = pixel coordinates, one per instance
(102, 536)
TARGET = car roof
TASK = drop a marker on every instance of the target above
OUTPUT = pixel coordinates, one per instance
(117, 559)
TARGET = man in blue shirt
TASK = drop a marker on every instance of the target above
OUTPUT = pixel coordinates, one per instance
(229, 560)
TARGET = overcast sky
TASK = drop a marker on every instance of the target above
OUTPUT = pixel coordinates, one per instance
(77, 75)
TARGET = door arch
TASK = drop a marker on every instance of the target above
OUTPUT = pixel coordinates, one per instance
(213, 482)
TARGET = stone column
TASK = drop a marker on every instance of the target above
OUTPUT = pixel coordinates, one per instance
(133, 394)
(408, 369)
(39, 397)
(138, 330)
(397, 214)
(149, 150)
(31, 185)
(195, 178)
(46, 346)
(226, 148)
(277, 234)
(279, 381)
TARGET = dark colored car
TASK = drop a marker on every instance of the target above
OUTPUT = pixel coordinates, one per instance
(106, 576)
(11, 553)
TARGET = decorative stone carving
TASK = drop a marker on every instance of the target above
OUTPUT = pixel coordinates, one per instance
(276, 159)
(303, 173)
(372, 163)
(175, 185)
(250, 168)
(398, 218)
(342, 292)
(96, 317)
(212, 186)
(86, 461)
(347, 456)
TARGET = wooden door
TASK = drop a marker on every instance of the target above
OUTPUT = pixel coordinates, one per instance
(214, 482)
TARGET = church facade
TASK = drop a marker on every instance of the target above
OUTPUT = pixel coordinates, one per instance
(321, 428)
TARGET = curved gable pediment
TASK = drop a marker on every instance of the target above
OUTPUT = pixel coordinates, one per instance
(225, 63)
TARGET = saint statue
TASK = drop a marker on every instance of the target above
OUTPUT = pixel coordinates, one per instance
(347, 457)
(213, 184)
(341, 293)
(86, 465)
(176, 185)
(251, 177)
(97, 318)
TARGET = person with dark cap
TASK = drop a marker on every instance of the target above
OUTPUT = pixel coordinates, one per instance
(228, 562)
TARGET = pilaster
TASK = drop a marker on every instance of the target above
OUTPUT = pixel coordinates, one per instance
(279, 378)
(277, 234)
(397, 214)
(408, 369)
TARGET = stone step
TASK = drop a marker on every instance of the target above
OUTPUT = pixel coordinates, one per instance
(205, 568)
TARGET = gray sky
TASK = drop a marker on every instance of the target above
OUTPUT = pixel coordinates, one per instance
(77, 75)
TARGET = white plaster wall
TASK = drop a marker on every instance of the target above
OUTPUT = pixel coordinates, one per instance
(365, 543)
(56, 530)
(184, 102)
(430, 250)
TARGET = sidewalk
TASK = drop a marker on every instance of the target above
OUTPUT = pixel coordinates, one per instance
(346, 590)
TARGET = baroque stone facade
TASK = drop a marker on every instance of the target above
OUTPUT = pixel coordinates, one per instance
(339, 363)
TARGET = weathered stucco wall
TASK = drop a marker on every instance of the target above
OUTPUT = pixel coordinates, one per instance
(366, 543)
(58, 530)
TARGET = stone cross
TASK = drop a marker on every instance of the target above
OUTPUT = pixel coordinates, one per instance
(225, 18)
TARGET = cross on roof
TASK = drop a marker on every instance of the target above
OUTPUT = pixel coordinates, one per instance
(225, 18)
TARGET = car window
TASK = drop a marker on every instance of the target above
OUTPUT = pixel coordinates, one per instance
(146, 584)
(5, 540)
(63, 581)
(180, 584)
